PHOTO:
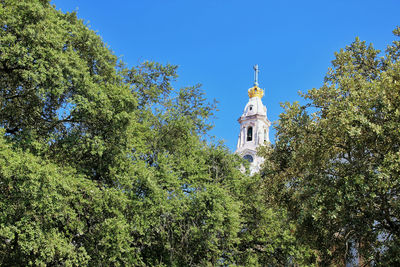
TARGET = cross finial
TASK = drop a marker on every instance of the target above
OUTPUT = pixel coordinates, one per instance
(255, 75)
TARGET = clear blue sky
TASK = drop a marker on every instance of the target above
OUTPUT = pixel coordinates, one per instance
(216, 43)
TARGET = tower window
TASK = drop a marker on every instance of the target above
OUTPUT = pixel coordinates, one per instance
(251, 108)
(249, 133)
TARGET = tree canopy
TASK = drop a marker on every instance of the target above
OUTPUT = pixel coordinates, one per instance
(335, 164)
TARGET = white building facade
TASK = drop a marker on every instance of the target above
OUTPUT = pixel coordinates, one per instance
(254, 127)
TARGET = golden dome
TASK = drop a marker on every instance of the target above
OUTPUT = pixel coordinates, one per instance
(256, 91)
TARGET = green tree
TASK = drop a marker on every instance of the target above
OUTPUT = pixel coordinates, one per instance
(59, 86)
(335, 164)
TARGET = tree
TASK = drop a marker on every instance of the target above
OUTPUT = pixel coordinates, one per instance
(59, 86)
(335, 163)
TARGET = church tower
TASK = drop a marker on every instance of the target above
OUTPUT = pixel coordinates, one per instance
(254, 126)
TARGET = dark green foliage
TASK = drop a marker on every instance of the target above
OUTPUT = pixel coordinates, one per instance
(267, 235)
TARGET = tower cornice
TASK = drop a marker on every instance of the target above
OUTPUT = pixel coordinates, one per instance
(253, 118)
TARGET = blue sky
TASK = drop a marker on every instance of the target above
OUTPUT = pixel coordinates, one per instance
(216, 43)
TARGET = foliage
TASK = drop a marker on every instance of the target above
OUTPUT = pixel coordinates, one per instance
(267, 235)
(335, 164)
(52, 215)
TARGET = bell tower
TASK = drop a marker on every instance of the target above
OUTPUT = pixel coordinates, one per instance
(254, 126)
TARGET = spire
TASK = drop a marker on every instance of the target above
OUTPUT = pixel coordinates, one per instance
(256, 75)
(255, 91)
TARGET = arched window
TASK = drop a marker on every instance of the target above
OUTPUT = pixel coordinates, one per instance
(265, 135)
(249, 133)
